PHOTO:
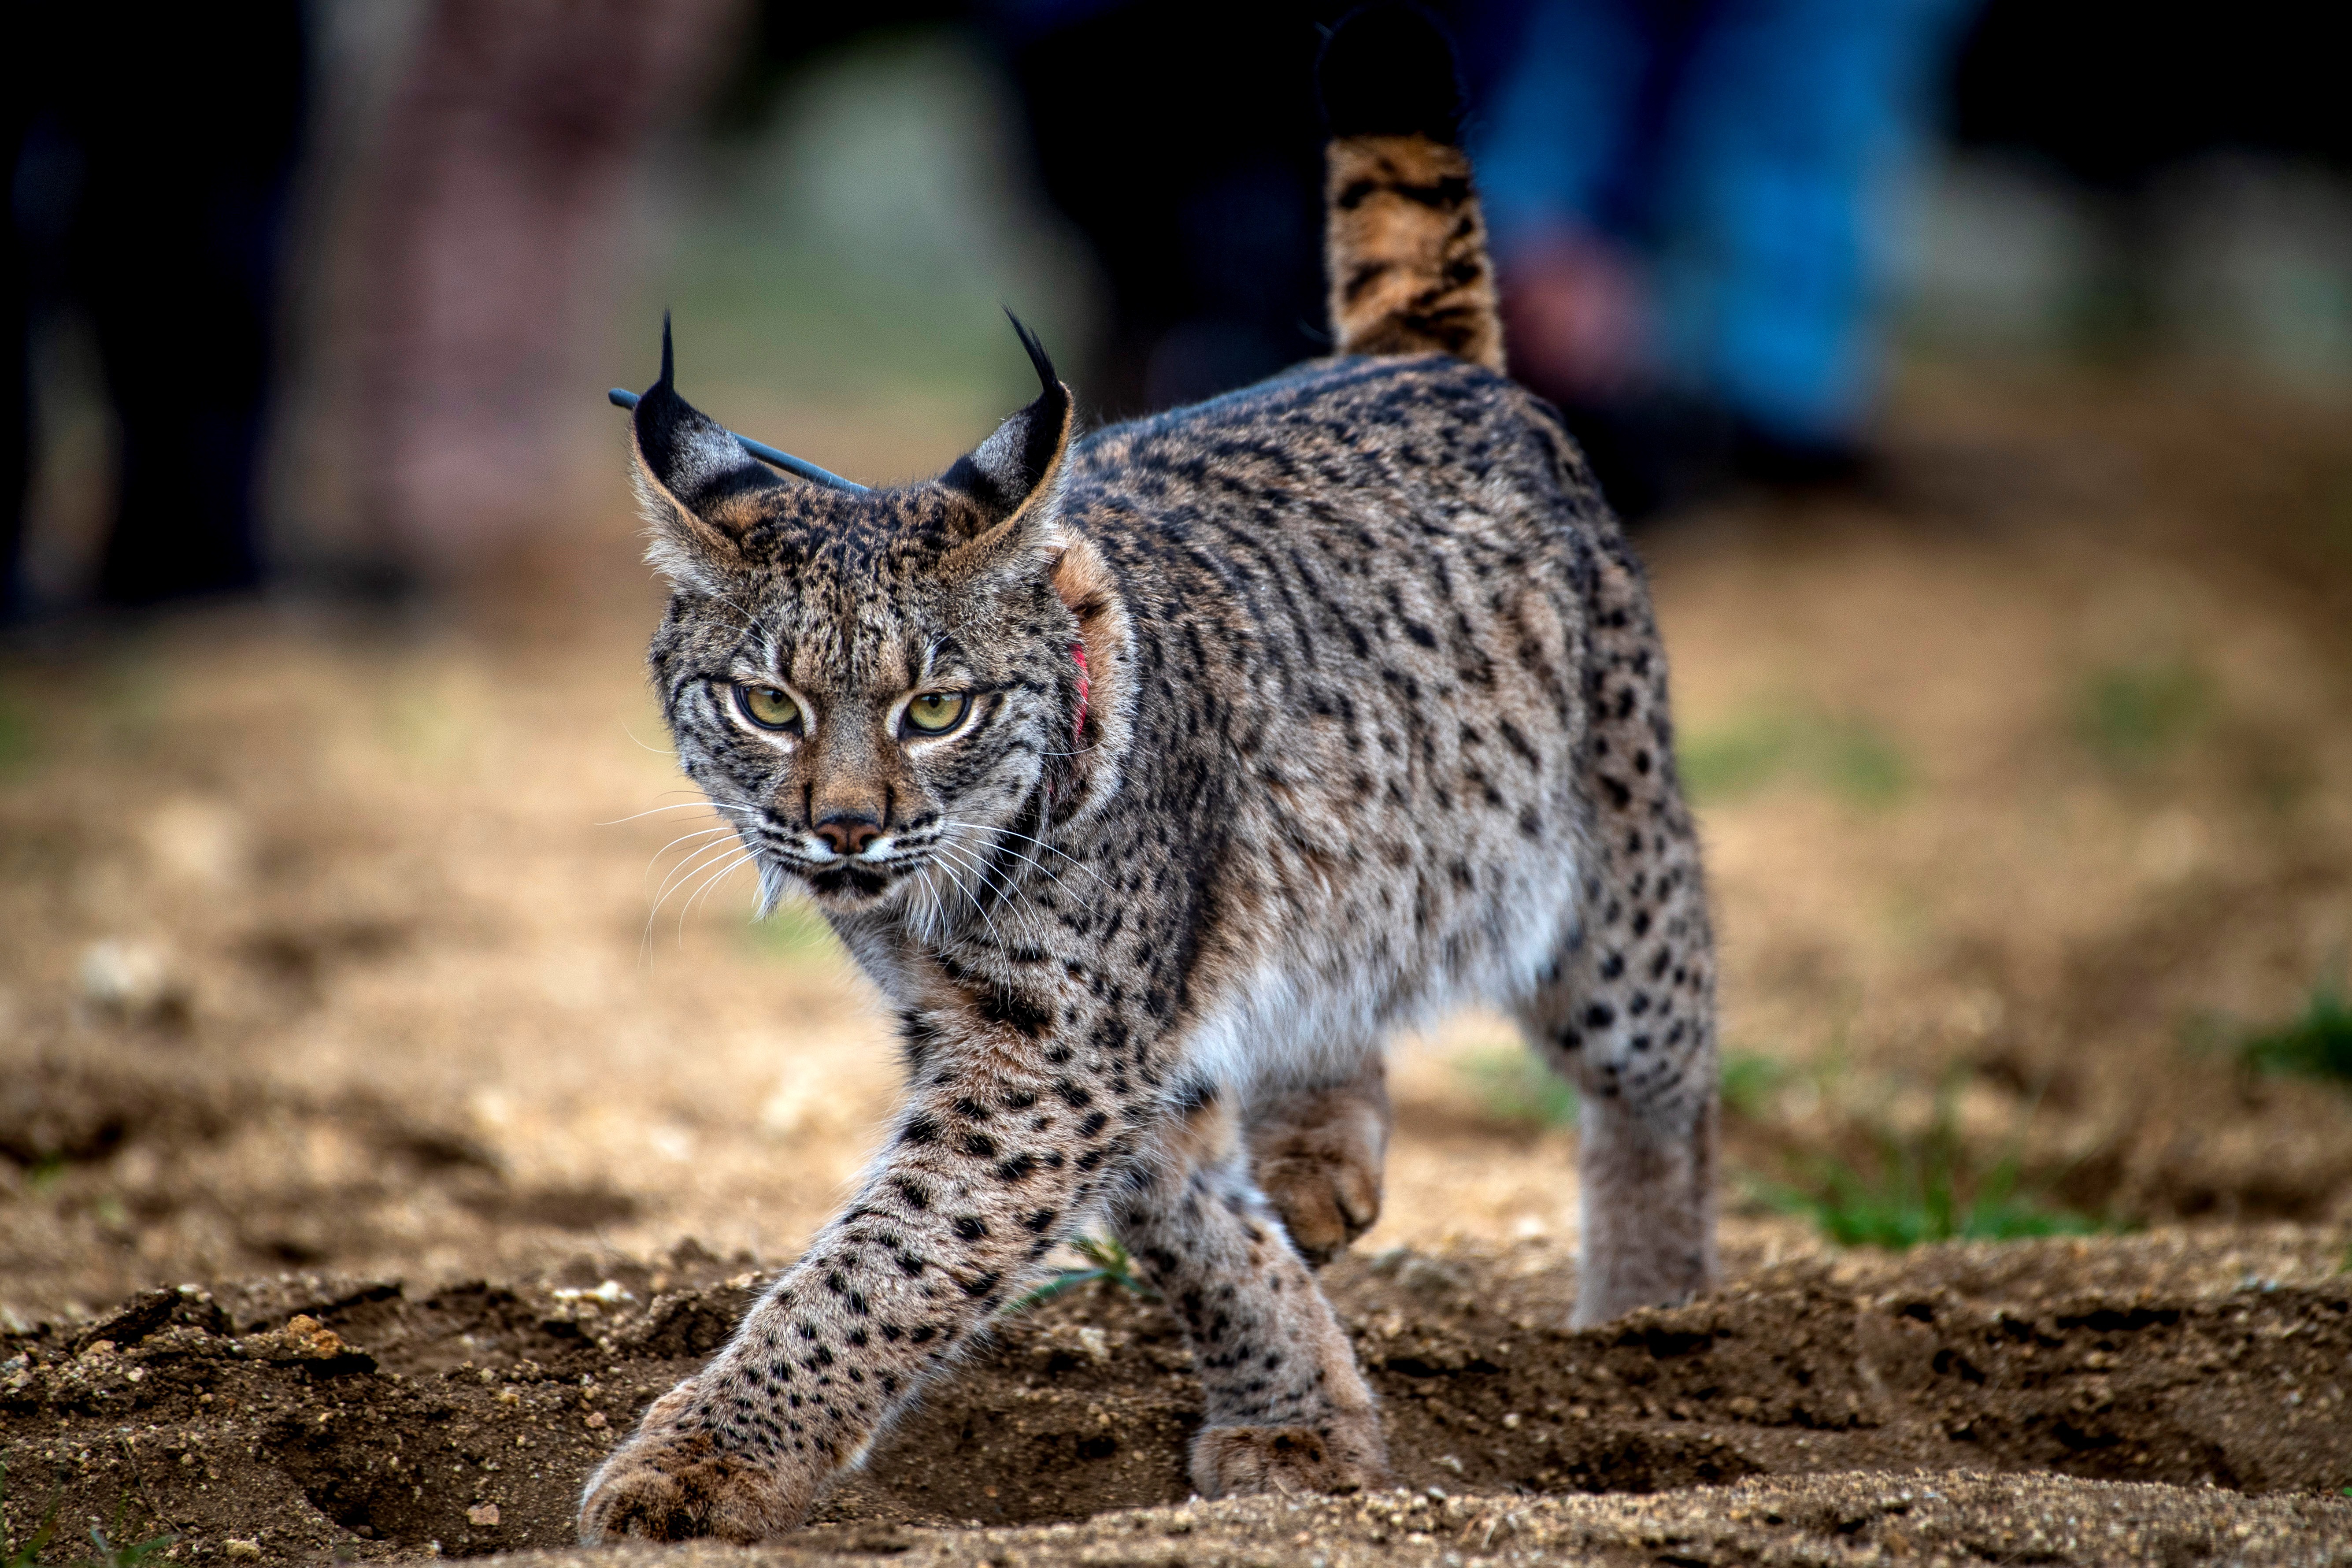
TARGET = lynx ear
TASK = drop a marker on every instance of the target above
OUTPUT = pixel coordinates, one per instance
(1010, 477)
(702, 491)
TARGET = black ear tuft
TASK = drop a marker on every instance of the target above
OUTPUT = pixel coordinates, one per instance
(1038, 359)
(689, 455)
(1004, 472)
(1389, 69)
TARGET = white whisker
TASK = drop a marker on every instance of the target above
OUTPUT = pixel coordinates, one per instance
(977, 905)
(1029, 838)
(684, 838)
(986, 876)
(1038, 864)
(683, 867)
(926, 927)
(726, 869)
(681, 806)
(679, 873)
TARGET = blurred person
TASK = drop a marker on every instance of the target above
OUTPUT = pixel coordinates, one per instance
(2112, 98)
(1689, 205)
(1173, 134)
(151, 159)
(490, 232)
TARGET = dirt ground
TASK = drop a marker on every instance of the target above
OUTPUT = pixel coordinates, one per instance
(369, 1154)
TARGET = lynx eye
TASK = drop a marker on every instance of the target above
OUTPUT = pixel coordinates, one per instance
(936, 713)
(767, 707)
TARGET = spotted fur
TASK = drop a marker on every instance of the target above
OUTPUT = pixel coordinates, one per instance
(1371, 723)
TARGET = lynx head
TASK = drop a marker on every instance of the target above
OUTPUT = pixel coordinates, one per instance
(883, 690)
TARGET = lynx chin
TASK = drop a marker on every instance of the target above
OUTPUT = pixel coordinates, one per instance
(1157, 776)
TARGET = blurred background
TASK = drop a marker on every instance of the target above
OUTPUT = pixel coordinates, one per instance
(1976, 373)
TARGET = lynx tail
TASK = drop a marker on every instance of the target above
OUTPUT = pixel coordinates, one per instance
(1404, 240)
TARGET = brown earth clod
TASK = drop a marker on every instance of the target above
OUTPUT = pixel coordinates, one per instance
(313, 1417)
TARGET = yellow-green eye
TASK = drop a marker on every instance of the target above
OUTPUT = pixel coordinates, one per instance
(935, 712)
(767, 707)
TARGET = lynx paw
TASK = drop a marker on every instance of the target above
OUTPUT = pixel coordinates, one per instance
(1318, 1160)
(1345, 1455)
(671, 1484)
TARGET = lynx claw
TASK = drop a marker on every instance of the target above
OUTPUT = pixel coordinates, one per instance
(1345, 1455)
(1317, 1159)
(669, 1484)
(1325, 1202)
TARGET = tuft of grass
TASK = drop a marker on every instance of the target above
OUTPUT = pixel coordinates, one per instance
(2318, 1043)
(2131, 715)
(1735, 759)
(1858, 764)
(1848, 757)
(1107, 1258)
(128, 1555)
(27, 1553)
(1749, 1078)
(1515, 1087)
(1921, 1188)
(17, 745)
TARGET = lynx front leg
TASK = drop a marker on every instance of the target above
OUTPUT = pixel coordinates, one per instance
(1288, 1409)
(1316, 1153)
(1002, 1140)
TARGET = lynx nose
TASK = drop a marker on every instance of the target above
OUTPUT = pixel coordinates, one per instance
(849, 834)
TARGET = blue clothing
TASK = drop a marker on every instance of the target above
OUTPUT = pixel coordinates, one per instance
(1745, 149)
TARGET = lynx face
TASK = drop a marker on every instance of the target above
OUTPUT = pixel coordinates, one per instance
(869, 687)
(863, 753)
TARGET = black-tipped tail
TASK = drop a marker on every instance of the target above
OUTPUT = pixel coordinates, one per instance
(1403, 241)
(1388, 69)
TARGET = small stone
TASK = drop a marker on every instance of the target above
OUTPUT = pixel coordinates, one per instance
(595, 1418)
(133, 981)
(1427, 1277)
(483, 1513)
(303, 1338)
(242, 1551)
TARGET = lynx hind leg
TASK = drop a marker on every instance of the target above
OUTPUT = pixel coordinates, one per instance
(1286, 1408)
(1628, 1013)
(1316, 1153)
